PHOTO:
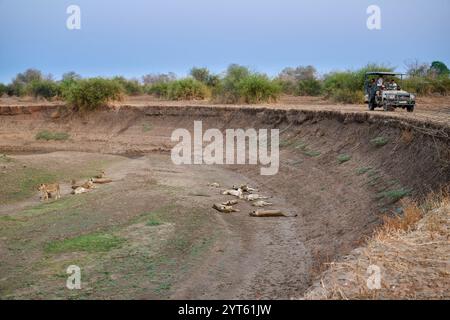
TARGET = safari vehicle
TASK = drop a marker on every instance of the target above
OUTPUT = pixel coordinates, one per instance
(385, 96)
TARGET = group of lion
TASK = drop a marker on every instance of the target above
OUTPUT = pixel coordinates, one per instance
(247, 193)
(53, 190)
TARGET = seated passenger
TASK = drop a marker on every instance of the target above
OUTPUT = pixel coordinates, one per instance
(392, 85)
(380, 81)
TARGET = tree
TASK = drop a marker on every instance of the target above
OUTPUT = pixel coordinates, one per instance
(297, 74)
(417, 69)
(200, 74)
(439, 68)
(28, 76)
(159, 78)
(204, 76)
(71, 76)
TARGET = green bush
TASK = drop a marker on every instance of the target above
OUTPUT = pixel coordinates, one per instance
(47, 135)
(424, 86)
(3, 89)
(130, 87)
(348, 96)
(89, 94)
(348, 86)
(43, 88)
(159, 89)
(311, 87)
(241, 85)
(228, 90)
(257, 88)
(16, 88)
(187, 89)
(204, 76)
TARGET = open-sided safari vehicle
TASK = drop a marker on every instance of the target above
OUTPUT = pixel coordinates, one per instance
(382, 91)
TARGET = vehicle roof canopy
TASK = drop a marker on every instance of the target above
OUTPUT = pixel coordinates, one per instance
(381, 73)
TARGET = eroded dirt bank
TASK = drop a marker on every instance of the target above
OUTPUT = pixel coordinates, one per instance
(340, 172)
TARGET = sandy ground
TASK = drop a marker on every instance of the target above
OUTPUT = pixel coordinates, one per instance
(210, 255)
(171, 243)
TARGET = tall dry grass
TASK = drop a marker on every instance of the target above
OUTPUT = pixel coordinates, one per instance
(412, 251)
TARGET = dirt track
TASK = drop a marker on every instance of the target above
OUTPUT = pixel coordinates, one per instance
(208, 254)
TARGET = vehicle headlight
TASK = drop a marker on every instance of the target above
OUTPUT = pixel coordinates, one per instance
(391, 96)
(412, 97)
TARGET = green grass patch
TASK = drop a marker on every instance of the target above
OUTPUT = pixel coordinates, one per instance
(342, 158)
(286, 143)
(146, 127)
(99, 242)
(395, 195)
(21, 183)
(153, 221)
(301, 146)
(379, 141)
(311, 153)
(48, 135)
(53, 206)
(363, 170)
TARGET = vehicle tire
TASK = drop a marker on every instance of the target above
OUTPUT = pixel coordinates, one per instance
(410, 108)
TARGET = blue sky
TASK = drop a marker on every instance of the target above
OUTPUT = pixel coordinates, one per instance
(136, 37)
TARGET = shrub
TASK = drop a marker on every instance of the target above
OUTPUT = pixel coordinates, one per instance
(228, 90)
(311, 87)
(16, 88)
(258, 88)
(159, 89)
(347, 86)
(204, 76)
(43, 88)
(47, 135)
(379, 141)
(187, 89)
(241, 85)
(342, 158)
(89, 94)
(130, 87)
(347, 96)
(290, 78)
(3, 89)
(423, 86)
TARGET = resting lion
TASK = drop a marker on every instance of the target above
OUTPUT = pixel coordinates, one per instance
(269, 213)
(49, 191)
(253, 197)
(224, 209)
(261, 203)
(79, 190)
(237, 193)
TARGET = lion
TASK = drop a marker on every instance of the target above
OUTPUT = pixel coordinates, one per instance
(270, 213)
(89, 184)
(49, 191)
(101, 175)
(79, 190)
(261, 203)
(225, 209)
(254, 197)
(237, 193)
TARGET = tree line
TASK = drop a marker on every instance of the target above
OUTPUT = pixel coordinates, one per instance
(237, 84)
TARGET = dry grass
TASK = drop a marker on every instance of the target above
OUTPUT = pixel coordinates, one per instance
(411, 250)
(407, 136)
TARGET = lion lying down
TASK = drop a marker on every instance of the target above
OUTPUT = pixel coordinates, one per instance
(270, 213)
(223, 208)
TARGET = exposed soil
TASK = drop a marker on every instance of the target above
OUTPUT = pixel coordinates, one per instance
(190, 250)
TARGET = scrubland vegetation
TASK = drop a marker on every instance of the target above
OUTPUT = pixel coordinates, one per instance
(237, 84)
